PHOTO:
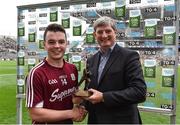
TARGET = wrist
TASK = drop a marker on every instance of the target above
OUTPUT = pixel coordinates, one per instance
(70, 114)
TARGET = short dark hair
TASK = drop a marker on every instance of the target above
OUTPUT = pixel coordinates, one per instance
(54, 28)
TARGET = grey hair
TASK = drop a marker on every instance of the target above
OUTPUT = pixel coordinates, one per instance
(103, 21)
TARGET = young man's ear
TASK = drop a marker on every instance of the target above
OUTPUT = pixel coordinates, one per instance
(44, 45)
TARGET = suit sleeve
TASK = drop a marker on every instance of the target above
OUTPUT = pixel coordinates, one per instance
(135, 90)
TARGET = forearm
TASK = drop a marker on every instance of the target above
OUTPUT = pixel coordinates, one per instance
(49, 115)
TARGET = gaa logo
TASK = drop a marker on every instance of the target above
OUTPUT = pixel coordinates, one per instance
(52, 81)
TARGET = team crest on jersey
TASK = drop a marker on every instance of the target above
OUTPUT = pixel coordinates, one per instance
(73, 77)
(63, 79)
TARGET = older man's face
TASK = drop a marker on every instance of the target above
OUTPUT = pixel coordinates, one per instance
(105, 36)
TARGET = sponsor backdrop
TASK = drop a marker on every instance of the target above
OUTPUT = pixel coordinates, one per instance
(147, 26)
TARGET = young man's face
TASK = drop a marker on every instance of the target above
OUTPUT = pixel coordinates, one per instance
(105, 36)
(55, 44)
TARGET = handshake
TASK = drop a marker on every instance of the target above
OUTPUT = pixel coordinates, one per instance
(95, 97)
(79, 113)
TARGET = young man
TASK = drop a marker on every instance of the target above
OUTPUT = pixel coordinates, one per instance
(51, 83)
(117, 84)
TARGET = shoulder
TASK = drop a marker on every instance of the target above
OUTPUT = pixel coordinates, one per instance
(69, 65)
(36, 73)
(92, 57)
(126, 51)
(37, 69)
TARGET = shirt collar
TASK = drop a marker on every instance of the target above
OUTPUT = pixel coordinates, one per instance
(108, 52)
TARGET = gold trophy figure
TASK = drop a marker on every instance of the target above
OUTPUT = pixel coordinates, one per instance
(85, 77)
(80, 94)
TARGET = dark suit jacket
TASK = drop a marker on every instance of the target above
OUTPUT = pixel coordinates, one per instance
(123, 87)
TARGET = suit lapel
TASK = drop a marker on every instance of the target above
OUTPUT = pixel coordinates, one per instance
(95, 69)
(109, 62)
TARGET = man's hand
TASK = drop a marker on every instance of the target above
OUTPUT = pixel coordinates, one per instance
(79, 113)
(96, 96)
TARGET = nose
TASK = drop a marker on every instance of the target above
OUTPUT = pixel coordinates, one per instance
(57, 44)
(104, 34)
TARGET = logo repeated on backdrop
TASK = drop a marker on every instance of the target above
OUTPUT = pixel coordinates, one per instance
(148, 29)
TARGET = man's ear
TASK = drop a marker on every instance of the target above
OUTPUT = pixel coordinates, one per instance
(115, 30)
(44, 45)
(94, 33)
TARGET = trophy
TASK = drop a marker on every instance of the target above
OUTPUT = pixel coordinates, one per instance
(83, 93)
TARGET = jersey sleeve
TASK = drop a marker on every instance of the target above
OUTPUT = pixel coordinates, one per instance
(34, 90)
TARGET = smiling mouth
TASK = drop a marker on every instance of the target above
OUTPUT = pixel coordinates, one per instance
(105, 40)
(56, 52)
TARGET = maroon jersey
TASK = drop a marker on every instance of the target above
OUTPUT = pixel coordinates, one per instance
(51, 87)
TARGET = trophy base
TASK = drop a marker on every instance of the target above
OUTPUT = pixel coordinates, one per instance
(82, 93)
